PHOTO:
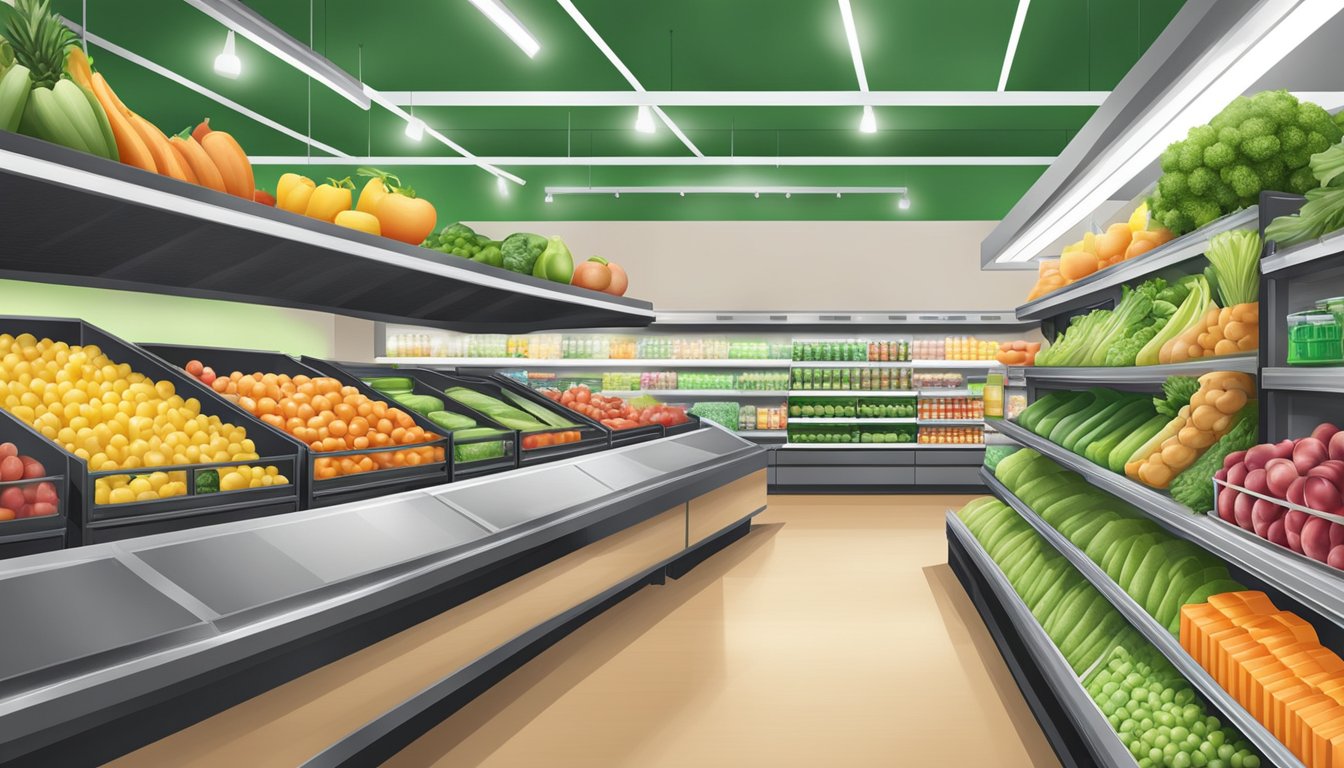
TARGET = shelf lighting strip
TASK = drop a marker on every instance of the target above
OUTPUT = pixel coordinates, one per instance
(135, 58)
(727, 190)
(1269, 32)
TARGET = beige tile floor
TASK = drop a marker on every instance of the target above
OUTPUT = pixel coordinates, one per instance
(833, 636)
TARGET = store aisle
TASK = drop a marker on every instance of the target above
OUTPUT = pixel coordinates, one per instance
(833, 635)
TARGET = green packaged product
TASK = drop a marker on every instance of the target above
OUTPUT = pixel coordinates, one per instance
(421, 404)
(451, 421)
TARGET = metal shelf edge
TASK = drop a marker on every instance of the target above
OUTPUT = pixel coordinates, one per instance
(1141, 373)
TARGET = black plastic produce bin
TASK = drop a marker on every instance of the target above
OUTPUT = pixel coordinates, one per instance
(29, 535)
(619, 437)
(330, 491)
(461, 469)
(593, 437)
(93, 522)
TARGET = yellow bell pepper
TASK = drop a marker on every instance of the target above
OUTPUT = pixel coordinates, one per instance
(364, 222)
(293, 191)
(330, 199)
(373, 193)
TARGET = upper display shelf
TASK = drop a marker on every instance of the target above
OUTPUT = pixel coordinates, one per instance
(77, 219)
(1103, 285)
(845, 320)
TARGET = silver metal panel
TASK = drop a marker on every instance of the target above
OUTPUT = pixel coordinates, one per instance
(340, 547)
(527, 496)
(969, 457)
(1155, 633)
(1324, 379)
(618, 471)
(1087, 717)
(858, 456)
(210, 570)
(63, 614)
(1140, 374)
(947, 476)
(845, 475)
(670, 457)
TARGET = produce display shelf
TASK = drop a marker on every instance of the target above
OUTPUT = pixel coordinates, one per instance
(1304, 379)
(950, 393)
(773, 319)
(521, 363)
(675, 393)
(881, 446)
(852, 392)
(1318, 591)
(762, 433)
(1228, 707)
(1103, 744)
(1137, 374)
(1305, 253)
(850, 420)
(951, 422)
(978, 365)
(239, 250)
(1092, 289)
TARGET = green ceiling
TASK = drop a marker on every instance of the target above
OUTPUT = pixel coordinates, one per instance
(425, 45)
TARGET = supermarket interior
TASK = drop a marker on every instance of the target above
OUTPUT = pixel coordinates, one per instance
(595, 383)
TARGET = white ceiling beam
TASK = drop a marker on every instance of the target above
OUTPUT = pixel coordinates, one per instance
(747, 98)
(625, 72)
(657, 161)
(1013, 38)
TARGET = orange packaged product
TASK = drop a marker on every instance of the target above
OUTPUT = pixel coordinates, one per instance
(1257, 601)
(1283, 696)
(1193, 619)
(1208, 646)
(1300, 627)
(1239, 679)
(1306, 711)
(1219, 643)
(1262, 671)
(1327, 748)
(1236, 649)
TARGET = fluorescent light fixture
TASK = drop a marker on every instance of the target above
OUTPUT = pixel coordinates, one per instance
(903, 202)
(748, 98)
(629, 76)
(550, 198)
(270, 38)
(726, 190)
(638, 161)
(502, 185)
(227, 63)
(192, 85)
(467, 157)
(644, 120)
(1013, 38)
(502, 17)
(1267, 34)
(868, 124)
(415, 129)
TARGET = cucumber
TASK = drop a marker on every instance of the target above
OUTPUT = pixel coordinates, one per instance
(1047, 424)
(1119, 456)
(387, 384)
(1101, 399)
(1098, 444)
(541, 412)
(1043, 406)
(1073, 439)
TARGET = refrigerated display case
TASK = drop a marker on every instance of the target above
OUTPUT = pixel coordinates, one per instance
(40, 530)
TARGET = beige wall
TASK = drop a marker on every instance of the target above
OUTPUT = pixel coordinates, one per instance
(797, 265)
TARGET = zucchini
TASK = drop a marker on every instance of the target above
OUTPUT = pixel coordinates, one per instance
(1066, 424)
(1123, 412)
(1105, 437)
(1070, 406)
(1032, 414)
(387, 384)
(1072, 439)
(451, 421)
(1119, 455)
(537, 410)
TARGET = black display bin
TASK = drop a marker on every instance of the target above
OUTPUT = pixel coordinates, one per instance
(594, 437)
(331, 491)
(30, 535)
(461, 470)
(93, 523)
(619, 437)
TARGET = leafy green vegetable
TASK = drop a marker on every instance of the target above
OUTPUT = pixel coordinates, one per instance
(1322, 213)
(1124, 352)
(1194, 486)
(1235, 259)
(521, 250)
(1325, 166)
(490, 254)
(555, 263)
(1108, 337)
(1187, 315)
(722, 413)
(1177, 391)
(1260, 142)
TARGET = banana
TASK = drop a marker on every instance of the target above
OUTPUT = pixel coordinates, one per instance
(76, 109)
(104, 125)
(44, 118)
(14, 88)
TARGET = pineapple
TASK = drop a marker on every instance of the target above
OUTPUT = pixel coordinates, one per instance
(40, 41)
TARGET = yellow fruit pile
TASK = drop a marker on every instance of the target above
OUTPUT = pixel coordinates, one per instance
(1120, 242)
(114, 418)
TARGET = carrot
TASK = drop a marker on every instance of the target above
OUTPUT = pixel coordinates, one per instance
(131, 147)
(232, 163)
(77, 66)
(164, 157)
(207, 173)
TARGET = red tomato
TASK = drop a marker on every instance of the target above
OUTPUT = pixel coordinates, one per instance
(11, 468)
(583, 396)
(33, 468)
(194, 367)
(529, 442)
(8, 449)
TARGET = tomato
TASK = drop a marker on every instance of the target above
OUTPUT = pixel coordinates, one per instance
(529, 442)
(405, 218)
(567, 399)
(584, 396)
(546, 440)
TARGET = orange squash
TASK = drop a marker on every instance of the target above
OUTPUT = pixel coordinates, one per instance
(1077, 265)
(229, 158)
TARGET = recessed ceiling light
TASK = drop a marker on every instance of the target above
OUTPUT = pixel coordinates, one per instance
(415, 129)
(644, 120)
(227, 62)
(758, 195)
(502, 186)
(509, 24)
(549, 198)
(903, 202)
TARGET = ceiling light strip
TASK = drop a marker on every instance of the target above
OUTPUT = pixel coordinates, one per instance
(629, 76)
(727, 190)
(502, 17)
(136, 58)
(852, 36)
(255, 27)
(1269, 33)
(467, 157)
(1013, 38)
(747, 98)
(664, 161)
